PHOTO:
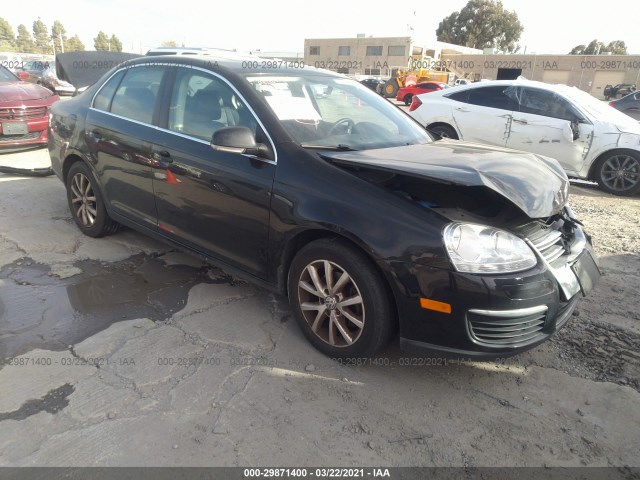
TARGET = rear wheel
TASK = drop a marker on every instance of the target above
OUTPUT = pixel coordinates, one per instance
(619, 173)
(443, 131)
(407, 99)
(86, 203)
(339, 300)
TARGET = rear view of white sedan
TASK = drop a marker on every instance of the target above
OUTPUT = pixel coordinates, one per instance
(590, 139)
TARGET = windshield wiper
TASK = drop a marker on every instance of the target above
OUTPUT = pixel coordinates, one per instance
(341, 147)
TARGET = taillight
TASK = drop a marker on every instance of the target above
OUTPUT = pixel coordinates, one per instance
(611, 103)
(415, 103)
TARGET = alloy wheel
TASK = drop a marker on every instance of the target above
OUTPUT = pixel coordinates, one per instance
(83, 200)
(621, 172)
(331, 303)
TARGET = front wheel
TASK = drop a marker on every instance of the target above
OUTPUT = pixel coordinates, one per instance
(391, 88)
(86, 203)
(619, 173)
(339, 300)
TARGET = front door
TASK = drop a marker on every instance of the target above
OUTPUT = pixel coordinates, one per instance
(215, 202)
(542, 125)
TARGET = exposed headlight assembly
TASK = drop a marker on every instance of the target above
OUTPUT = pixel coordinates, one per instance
(482, 249)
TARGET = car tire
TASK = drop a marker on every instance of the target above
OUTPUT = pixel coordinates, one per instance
(363, 326)
(390, 89)
(618, 173)
(443, 131)
(407, 99)
(86, 203)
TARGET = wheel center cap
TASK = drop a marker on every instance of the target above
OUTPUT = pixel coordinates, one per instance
(330, 302)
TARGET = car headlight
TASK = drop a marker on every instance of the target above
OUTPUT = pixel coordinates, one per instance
(482, 249)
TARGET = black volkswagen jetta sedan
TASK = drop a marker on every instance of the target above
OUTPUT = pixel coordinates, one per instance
(310, 184)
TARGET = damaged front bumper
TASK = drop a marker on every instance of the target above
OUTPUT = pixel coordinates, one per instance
(501, 315)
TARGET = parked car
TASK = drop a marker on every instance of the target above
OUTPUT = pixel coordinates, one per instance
(24, 112)
(629, 105)
(590, 139)
(342, 203)
(406, 94)
(44, 73)
(619, 90)
(373, 84)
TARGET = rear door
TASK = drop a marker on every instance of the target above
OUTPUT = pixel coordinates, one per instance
(541, 125)
(120, 131)
(212, 201)
(483, 114)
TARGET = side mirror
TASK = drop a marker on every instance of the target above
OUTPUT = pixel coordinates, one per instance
(238, 139)
(571, 131)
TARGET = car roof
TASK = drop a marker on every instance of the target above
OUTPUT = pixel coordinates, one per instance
(238, 64)
(521, 82)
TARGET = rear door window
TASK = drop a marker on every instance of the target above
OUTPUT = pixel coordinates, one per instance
(493, 97)
(136, 95)
(102, 100)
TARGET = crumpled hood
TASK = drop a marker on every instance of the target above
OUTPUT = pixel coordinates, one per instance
(22, 91)
(535, 184)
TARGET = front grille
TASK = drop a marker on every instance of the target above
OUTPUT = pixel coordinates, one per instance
(18, 138)
(548, 241)
(507, 328)
(24, 113)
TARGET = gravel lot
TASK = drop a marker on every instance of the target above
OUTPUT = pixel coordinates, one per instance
(121, 352)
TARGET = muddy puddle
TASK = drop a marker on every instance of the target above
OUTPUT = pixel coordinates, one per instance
(38, 310)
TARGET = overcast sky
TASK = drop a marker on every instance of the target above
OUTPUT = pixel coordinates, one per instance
(550, 26)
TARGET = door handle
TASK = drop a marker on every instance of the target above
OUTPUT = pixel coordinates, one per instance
(462, 109)
(162, 156)
(520, 121)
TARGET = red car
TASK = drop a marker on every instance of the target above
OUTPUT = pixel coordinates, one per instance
(405, 94)
(24, 112)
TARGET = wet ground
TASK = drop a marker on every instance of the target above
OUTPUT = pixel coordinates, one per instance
(39, 310)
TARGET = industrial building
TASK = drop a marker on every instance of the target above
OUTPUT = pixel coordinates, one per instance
(590, 73)
(381, 57)
(373, 56)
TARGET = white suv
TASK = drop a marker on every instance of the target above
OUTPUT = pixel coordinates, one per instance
(590, 139)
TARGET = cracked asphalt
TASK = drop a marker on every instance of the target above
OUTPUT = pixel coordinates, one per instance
(122, 352)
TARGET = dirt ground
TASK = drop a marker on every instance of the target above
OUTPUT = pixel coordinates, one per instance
(121, 352)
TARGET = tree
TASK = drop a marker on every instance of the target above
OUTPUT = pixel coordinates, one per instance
(617, 47)
(24, 42)
(59, 38)
(101, 42)
(115, 43)
(41, 36)
(596, 47)
(74, 44)
(169, 43)
(482, 24)
(7, 36)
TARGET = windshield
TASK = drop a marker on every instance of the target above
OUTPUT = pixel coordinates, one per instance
(6, 75)
(320, 111)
